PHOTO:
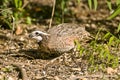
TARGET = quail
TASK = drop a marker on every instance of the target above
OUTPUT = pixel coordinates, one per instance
(61, 38)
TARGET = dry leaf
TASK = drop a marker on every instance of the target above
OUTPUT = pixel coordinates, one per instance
(19, 30)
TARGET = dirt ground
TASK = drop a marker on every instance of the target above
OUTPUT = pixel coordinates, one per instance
(19, 55)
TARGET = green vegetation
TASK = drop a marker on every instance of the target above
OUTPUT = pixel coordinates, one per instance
(6, 14)
(12, 11)
(94, 4)
(101, 54)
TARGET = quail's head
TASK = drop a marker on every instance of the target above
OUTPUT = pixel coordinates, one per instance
(38, 35)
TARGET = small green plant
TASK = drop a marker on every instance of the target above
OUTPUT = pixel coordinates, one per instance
(114, 12)
(18, 9)
(101, 55)
(61, 11)
(5, 14)
(94, 4)
(12, 11)
(7, 69)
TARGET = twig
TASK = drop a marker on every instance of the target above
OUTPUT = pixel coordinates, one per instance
(25, 2)
(11, 37)
(53, 11)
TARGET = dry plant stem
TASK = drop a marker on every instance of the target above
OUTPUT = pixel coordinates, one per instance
(10, 41)
(63, 15)
(2, 10)
(25, 2)
(53, 10)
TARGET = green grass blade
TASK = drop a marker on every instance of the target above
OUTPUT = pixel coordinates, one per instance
(16, 3)
(20, 3)
(90, 4)
(118, 29)
(115, 13)
(95, 4)
(111, 40)
(117, 2)
(107, 35)
(63, 4)
(109, 5)
(78, 1)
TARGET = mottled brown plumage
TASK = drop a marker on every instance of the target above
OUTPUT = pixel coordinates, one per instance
(60, 39)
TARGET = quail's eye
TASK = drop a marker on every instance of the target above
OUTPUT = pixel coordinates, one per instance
(37, 33)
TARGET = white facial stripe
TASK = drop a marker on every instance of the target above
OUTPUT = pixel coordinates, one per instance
(40, 32)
